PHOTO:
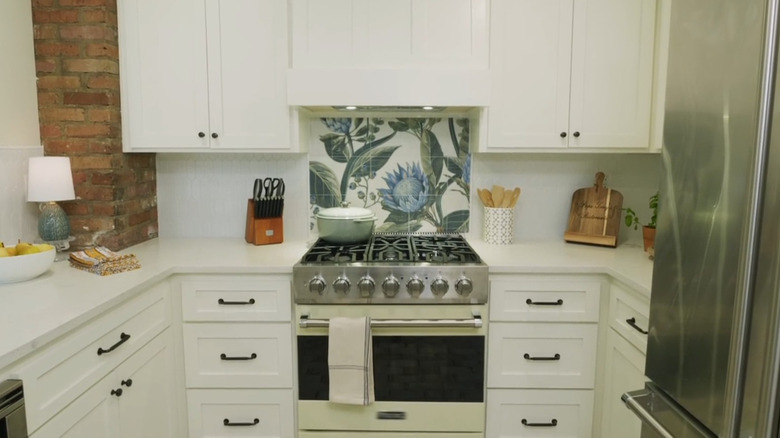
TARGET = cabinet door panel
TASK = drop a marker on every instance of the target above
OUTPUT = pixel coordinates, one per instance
(146, 408)
(247, 49)
(530, 45)
(164, 82)
(508, 409)
(612, 73)
(624, 372)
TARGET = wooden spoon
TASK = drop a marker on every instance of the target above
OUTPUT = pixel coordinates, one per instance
(484, 195)
(498, 196)
(514, 196)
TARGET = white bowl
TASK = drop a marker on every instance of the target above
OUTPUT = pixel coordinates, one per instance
(25, 267)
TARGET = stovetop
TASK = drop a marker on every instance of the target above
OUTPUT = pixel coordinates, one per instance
(395, 249)
(392, 269)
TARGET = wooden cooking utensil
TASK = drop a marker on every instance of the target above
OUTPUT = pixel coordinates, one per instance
(498, 195)
(513, 197)
(484, 195)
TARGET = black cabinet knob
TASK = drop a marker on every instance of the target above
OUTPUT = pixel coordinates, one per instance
(117, 392)
(214, 135)
(201, 134)
(128, 382)
(563, 135)
(576, 133)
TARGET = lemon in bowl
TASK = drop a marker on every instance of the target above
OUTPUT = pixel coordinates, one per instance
(25, 261)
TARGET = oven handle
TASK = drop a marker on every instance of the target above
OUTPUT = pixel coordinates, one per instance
(475, 322)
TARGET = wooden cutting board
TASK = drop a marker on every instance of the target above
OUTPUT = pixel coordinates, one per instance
(595, 215)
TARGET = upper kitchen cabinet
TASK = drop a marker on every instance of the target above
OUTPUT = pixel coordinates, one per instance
(571, 75)
(389, 53)
(204, 75)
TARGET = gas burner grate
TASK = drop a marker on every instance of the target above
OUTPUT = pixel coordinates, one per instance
(324, 252)
(391, 248)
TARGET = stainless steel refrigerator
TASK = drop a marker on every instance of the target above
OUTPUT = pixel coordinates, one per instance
(713, 352)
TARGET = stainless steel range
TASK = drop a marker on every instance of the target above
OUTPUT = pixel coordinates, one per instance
(426, 297)
(392, 269)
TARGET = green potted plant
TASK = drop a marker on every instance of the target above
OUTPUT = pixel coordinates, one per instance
(648, 229)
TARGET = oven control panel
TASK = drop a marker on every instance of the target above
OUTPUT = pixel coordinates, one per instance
(462, 284)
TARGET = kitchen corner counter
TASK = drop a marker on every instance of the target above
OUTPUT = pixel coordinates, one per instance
(36, 312)
(626, 263)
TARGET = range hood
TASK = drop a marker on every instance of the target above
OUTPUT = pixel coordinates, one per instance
(388, 90)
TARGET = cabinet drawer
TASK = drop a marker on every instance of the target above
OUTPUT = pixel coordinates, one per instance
(270, 409)
(535, 298)
(61, 373)
(541, 355)
(236, 298)
(238, 355)
(546, 413)
(628, 315)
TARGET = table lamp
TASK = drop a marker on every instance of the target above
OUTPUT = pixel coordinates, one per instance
(49, 179)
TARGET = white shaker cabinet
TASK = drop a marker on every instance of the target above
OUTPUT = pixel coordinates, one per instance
(204, 75)
(574, 74)
(624, 369)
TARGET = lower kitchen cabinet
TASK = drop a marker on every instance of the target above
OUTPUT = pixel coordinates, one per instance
(134, 400)
(539, 413)
(624, 371)
(240, 413)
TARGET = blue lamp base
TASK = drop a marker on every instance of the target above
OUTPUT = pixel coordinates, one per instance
(53, 223)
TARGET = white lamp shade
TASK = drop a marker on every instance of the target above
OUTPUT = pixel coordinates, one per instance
(49, 179)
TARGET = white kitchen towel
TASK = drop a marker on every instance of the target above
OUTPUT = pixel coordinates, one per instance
(350, 362)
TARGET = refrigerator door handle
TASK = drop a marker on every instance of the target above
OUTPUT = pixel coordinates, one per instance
(663, 415)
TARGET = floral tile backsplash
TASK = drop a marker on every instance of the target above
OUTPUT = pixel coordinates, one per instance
(413, 173)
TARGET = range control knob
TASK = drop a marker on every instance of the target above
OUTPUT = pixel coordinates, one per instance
(366, 286)
(341, 285)
(464, 286)
(317, 285)
(415, 286)
(390, 286)
(439, 286)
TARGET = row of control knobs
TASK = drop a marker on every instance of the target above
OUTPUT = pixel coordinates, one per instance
(391, 285)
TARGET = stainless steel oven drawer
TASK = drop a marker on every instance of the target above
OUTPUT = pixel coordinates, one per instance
(391, 416)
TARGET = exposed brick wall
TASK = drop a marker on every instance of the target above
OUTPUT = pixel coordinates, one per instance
(77, 62)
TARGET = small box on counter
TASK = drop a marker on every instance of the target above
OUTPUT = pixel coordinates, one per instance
(262, 231)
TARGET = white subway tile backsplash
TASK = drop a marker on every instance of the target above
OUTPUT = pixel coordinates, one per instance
(18, 218)
(205, 195)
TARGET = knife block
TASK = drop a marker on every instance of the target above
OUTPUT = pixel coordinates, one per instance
(262, 231)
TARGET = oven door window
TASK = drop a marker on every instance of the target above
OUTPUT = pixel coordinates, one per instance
(406, 368)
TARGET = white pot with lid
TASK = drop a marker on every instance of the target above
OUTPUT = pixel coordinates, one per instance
(345, 224)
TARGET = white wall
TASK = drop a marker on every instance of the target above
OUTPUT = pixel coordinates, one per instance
(205, 195)
(548, 182)
(19, 133)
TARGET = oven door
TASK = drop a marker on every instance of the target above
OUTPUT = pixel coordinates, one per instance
(429, 371)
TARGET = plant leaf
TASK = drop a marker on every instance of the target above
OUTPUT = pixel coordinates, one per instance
(454, 166)
(406, 227)
(431, 156)
(399, 126)
(455, 221)
(323, 185)
(371, 157)
(336, 147)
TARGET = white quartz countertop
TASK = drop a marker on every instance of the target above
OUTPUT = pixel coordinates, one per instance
(35, 312)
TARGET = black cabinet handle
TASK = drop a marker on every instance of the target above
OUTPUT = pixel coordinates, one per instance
(632, 322)
(122, 339)
(552, 423)
(128, 382)
(117, 392)
(236, 303)
(224, 356)
(531, 302)
(529, 357)
(214, 135)
(227, 422)
(201, 134)
(563, 135)
(576, 133)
